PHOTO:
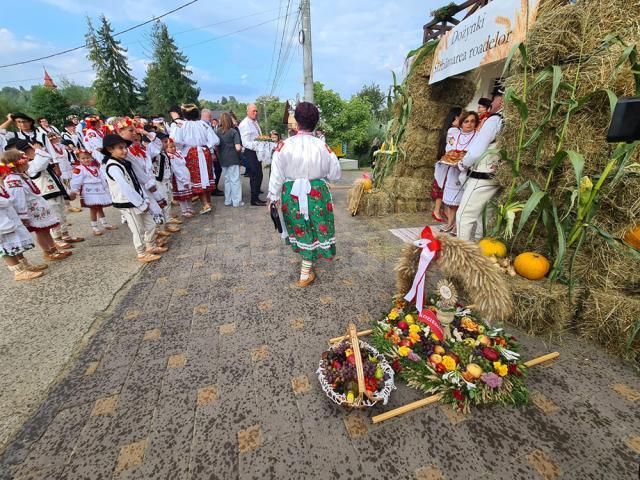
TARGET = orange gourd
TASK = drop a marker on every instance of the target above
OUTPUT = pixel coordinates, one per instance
(632, 237)
(492, 247)
(531, 265)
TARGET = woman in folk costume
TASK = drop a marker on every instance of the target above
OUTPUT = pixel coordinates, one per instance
(458, 142)
(161, 169)
(196, 139)
(128, 195)
(88, 180)
(32, 209)
(93, 135)
(300, 166)
(141, 164)
(46, 175)
(180, 179)
(15, 239)
(447, 135)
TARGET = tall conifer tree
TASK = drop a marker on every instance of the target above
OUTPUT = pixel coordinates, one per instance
(115, 86)
(168, 79)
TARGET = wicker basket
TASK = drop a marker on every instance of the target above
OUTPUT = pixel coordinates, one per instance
(364, 398)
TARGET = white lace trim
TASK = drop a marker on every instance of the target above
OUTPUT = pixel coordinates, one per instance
(314, 246)
(384, 394)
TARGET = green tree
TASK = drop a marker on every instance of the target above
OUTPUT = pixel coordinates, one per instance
(49, 103)
(374, 95)
(352, 125)
(76, 95)
(329, 103)
(115, 86)
(14, 100)
(272, 119)
(168, 79)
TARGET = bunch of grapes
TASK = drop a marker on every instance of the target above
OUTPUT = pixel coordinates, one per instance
(348, 372)
(369, 367)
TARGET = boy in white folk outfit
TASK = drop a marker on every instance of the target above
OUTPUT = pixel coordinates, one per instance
(161, 165)
(90, 183)
(128, 195)
(46, 175)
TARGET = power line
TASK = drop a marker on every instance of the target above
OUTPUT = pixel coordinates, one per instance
(286, 57)
(115, 35)
(187, 46)
(284, 34)
(275, 43)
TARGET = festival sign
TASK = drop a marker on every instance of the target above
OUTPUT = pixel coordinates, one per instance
(485, 37)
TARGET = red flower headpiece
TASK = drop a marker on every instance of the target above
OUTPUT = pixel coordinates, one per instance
(123, 123)
(5, 170)
(92, 122)
(107, 129)
(83, 151)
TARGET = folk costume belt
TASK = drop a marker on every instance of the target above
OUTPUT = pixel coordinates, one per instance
(482, 175)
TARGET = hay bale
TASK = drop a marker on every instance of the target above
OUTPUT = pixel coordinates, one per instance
(376, 203)
(542, 307)
(354, 196)
(603, 267)
(613, 320)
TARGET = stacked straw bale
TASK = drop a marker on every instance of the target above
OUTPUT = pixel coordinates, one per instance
(608, 306)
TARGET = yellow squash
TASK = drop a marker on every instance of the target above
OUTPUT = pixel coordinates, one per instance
(531, 265)
(492, 247)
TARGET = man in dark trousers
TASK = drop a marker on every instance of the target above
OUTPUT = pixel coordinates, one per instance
(249, 130)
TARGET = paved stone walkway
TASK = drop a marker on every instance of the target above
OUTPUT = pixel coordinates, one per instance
(206, 370)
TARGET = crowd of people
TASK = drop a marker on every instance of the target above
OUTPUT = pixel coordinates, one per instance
(464, 178)
(145, 169)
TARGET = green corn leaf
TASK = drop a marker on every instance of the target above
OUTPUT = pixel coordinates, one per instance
(507, 63)
(557, 159)
(523, 110)
(577, 161)
(613, 100)
(534, 136)
(529, 207)
(561, 247)
(616, 242)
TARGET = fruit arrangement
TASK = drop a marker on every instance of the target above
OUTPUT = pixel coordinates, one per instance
(453, 157)
(477, 365)
(338, 375)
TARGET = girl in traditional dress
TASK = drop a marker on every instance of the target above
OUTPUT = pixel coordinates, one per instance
(196, 139)
(180, 180)
(161, 168)
(89, 182)
(458, 141)
(446, 136)
(14, 237)
(93, 135)
(32, 209)
(301, 165)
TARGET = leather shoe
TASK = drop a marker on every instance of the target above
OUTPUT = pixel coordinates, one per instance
(258, 203)
(218, 193)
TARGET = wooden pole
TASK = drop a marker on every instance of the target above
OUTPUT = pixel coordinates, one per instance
(340, 339)
(435, 398)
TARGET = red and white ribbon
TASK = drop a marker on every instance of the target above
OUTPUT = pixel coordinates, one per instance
(430, 248)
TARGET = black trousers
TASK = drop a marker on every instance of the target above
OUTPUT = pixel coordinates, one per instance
(255, 173)
(217, 171)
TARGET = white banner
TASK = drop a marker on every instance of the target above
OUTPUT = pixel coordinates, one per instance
(485, 37)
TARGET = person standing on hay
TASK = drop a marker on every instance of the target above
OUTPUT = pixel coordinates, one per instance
(479, 167)
(301, 165)
(447, 138)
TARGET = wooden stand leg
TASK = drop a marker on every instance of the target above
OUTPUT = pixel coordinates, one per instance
(435, 398)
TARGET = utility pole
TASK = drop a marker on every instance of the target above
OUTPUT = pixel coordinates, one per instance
(305, 7)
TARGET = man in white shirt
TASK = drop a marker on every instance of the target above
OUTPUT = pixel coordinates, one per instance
(480, 166)
(249, 130)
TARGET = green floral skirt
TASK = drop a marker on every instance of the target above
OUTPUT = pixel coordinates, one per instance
(313, 238)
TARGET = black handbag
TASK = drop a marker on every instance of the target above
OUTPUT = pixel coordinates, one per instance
(275, 217)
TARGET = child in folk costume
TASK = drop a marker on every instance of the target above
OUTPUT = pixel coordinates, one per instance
(15, 239)
(46, 175)
(89, 181)
(32, 209)
(458, 140)
(64, 159)
(180, 179)
(161, 164)
(298, 172)
(128, 195)
(141, 163)
(196, 139)
(93, 135)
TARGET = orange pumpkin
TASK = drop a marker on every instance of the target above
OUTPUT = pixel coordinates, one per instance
(367, 185)
(491, 246)
(531, 265)
(632, 237)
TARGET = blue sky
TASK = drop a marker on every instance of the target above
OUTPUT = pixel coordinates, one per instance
(355, 42)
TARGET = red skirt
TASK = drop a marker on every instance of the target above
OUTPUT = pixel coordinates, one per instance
(436, 191)
(193, 164)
